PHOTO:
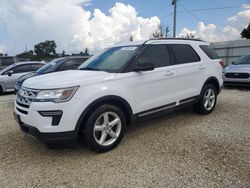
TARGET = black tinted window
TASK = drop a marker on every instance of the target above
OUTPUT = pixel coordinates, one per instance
(21, 69)
(35, 67)
(209, 50)
(71, 64)
(156, 54)
(183, 53)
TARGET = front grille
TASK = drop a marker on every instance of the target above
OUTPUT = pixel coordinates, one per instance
(23, 105)
(239, 75)
(25, 97)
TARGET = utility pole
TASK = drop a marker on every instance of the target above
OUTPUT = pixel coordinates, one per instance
(174, 2)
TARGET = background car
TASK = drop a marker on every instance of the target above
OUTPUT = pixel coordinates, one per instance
(10, 74)
(60, 64)
(6, 61)
(238, 73)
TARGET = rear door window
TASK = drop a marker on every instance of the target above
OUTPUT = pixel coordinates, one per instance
(21, 69)
(209, 51)
(183, 53)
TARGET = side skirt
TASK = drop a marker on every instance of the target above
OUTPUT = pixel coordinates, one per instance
(166, 109)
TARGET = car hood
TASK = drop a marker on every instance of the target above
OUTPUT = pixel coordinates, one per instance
(26, 76)
(67, 79)
(237, 68)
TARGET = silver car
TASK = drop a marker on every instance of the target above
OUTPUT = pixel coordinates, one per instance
(10, 74)
(238, 73)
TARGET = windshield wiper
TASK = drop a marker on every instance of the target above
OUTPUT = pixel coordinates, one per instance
(89, 68)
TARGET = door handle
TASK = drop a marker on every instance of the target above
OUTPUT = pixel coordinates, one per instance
(168, 73)
(201, 67)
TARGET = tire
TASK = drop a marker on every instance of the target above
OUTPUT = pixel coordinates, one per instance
(105, 128)
(1, 90)
(207, 102)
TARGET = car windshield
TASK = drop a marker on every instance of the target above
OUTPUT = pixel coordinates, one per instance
(111, 59)
(49, 67)
(242, 60)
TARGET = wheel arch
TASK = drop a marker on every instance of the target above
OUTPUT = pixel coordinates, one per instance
(110, 99)
(214, 81)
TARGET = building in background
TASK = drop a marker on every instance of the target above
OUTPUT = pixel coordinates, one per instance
(231, 50)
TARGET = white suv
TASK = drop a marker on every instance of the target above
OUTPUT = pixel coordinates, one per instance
(116, 87)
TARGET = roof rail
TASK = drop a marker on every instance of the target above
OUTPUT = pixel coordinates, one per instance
(165, 38)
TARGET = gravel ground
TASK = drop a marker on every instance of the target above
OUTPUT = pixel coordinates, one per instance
(178, 150)
(6, 98)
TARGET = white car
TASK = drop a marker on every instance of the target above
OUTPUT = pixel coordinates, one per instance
(117, 86)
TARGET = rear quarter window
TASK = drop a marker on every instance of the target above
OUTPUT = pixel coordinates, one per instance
(209, 51)
(183, 53)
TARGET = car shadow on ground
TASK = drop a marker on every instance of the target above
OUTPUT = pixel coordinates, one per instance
(7, 93)
(245, 88)
(156, 121)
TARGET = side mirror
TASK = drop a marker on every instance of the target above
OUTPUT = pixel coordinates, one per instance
(143, 67)
(9, 73)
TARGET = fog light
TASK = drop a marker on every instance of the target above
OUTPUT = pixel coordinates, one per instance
(56, 116)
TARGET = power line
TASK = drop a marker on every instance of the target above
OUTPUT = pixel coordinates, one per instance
(197, 18)
(216, 8)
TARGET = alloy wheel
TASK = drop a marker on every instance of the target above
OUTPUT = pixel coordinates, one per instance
(107, 128)
(209, 99)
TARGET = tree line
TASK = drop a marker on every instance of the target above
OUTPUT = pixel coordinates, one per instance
(46, 51)
(164, 32)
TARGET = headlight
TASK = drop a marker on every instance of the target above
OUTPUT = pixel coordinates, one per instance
(56, 95)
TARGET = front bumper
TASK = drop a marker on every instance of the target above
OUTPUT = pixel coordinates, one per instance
(236, 81)
(60, 138)
(31, 115)
(43, 121)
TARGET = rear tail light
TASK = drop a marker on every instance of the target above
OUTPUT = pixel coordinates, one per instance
(221, 63)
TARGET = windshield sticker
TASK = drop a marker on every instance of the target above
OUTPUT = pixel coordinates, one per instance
(129, 48)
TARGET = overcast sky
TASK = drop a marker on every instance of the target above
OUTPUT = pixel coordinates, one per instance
(96, 24)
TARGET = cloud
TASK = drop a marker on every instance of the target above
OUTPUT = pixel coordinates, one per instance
(70, 25)
(231, 31)
(241, 16)
(184, 32)
(204, 32)
(2, 49)
(247, 6)
(122, 21)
